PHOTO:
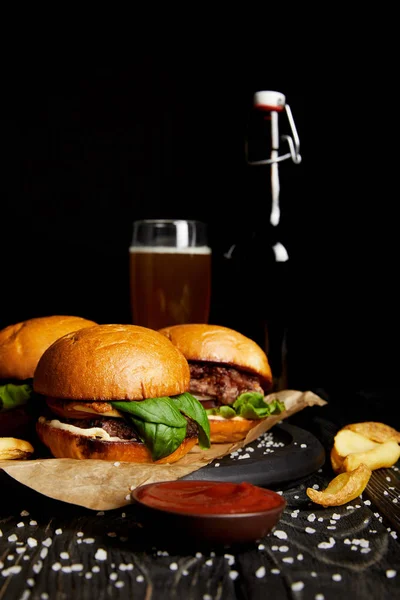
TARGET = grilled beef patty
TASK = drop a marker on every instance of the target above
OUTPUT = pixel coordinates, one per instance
(222, 382)
(121, 428)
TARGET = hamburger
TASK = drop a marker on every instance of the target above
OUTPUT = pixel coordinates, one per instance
(21, 346)
(229, 375)
(118, 393)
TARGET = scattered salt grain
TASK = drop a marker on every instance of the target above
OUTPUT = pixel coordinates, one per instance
(119, 584)
(30, 582)
(326, 545)
(21, 550)
(88, 540)
(10, 557)
(33, 523)
(173, 566)
(37, 567)
(101, 513)
(139, 578)
(260, 572)
(79, 533)
(96, 569)
(24, 513)
(56, 566)
(309, 530)
(282, 535)
(14, 570)
(112, 534)
(288, 559)
(319, 597)
(47, 542)
(58, 531)
(128, 497)
(12, 538)
(32, 542)
(390, 573)
(43, 553)
(337, 577)
(113, 576)
(124, 567)
(209, 562)
(21, 524)
(336, 516)
(311, 517)
(116, 464)
(275, 571)
(261, 547)
(230, 558)
(283, 548)
(101, 554)
(64, 555)
(300, 557)
(88, 575)
(297, 586)
(233, 575)
(303, 445)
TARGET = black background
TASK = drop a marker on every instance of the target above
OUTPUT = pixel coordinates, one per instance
(90, 146)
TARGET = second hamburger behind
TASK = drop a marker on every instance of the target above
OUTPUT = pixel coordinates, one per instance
(229, 374)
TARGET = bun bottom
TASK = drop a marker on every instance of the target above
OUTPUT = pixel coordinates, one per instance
(64, 444)
(230, 430)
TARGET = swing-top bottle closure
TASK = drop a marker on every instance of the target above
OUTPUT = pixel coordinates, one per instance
(275, 103)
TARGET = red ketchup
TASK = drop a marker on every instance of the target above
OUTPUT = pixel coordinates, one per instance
(209, 497)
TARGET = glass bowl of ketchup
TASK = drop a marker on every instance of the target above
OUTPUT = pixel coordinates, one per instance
(209, 511)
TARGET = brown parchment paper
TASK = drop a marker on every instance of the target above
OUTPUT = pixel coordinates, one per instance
(103, 485)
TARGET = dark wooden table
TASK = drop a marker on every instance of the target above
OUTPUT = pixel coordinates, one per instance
(52, 550)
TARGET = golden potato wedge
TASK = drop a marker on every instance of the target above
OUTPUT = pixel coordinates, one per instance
(14, 449)
(377, 432)
(347, 441)
(383, 455)
(336, 461)
(343, 488)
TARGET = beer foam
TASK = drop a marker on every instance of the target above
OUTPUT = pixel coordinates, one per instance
(169, 250)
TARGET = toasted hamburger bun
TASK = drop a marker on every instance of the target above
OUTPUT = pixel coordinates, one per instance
(22, 344)
(98, 365)
(217, 345)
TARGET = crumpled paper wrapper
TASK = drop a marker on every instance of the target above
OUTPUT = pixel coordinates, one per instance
(103, 485)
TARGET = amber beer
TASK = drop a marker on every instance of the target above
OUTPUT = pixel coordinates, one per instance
(170, 285)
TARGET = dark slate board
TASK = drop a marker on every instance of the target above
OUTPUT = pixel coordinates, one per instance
(293, 455)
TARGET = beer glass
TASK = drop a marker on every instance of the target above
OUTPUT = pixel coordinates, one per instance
(170, 273)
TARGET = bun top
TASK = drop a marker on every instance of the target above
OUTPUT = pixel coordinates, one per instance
(112, 362)
(22, 344)
(218, 344)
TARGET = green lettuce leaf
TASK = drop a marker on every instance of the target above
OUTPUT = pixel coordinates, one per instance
(250, 405)
(14, 395)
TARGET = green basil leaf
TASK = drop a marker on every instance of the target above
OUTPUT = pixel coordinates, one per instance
(227, 412)
(160, 439)
(13, 395)
(194, 409)
(153, 410)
